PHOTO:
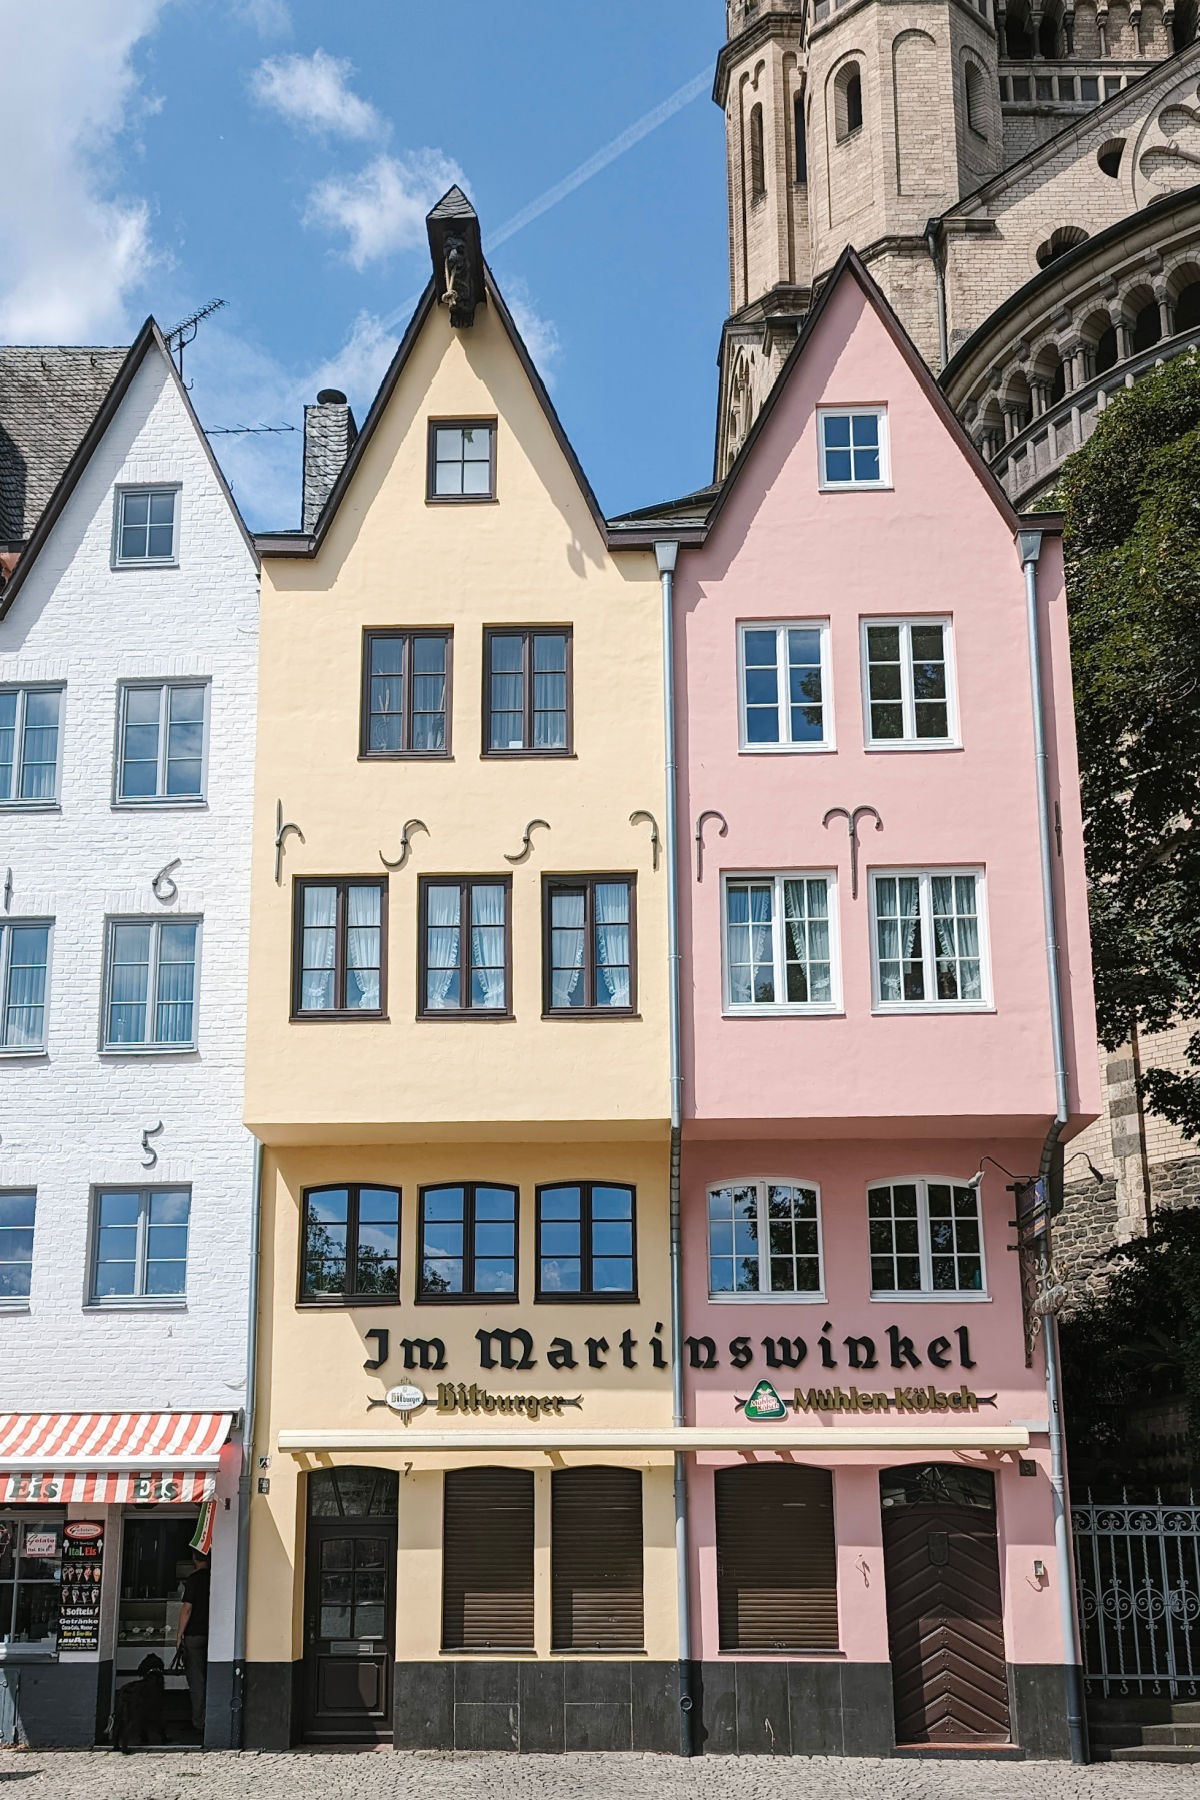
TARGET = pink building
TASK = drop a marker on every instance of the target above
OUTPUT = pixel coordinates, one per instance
(867, 1024)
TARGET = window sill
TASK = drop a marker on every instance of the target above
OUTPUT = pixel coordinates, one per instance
(787, 749)
(783, 1012)
(19, 1653)
(417, 756)
(914, 1008)
(137, 1303)
(143, 562)
(761, 1299)
(466, 1299)
(25, 1054)
(590, 1012)
(528, 756)
(924, 744)
(585, 1299)
(951, 1296)
(855, 487)
(162, 803)
(339, 1018)
(460, 499)
(473, 1014)
(15, 1306)
(147, 1050)
(833, 1655)
(34, 806)
(347, 1302)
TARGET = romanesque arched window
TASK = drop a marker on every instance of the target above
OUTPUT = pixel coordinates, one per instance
(801, 142)
(847, 101)
(758, 165)
(976, 98)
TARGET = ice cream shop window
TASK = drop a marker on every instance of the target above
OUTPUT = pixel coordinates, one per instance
(30, 1574)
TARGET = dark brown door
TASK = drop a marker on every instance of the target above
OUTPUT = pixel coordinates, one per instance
(350, 1631)
(945, 1626)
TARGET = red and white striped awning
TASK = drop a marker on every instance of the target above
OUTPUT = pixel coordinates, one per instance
(110, 1458)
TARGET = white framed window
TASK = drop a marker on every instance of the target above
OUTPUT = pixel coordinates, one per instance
(764, 1238)
(150, 984)
(929, 936)
(145, 525)
(785, 689)
(161, 742)
(780, 935)
(139, 1244)
(926, 1237)
(18, 1209)
(854, 447)
(909, 698)
(24, 972)
(30, 744)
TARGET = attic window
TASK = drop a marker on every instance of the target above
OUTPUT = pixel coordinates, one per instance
(146, 525)
(462, 459)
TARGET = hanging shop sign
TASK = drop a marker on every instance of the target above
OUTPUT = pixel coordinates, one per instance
(764, 1404)
(516, 1349)
(82, 1569)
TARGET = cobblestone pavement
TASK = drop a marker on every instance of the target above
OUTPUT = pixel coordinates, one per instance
(392, 1775)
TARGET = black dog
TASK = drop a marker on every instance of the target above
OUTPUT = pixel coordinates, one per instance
(138, 1707)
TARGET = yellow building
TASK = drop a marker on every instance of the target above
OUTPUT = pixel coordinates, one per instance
(457, 1068)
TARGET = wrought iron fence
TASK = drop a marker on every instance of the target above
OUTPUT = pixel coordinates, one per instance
(1138, 1575)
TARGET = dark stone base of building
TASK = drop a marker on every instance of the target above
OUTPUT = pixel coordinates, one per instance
(537, 1706)
(794, 1709)
(55, 1705)
(1039, 1703)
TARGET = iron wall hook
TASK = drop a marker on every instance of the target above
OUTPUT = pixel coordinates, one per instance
(410, 825)
(162, 887)
(852, 818)
(281, 834)
(711, 813)
(8, 889)
(151, 1154)
(526, 845)
(641, 817)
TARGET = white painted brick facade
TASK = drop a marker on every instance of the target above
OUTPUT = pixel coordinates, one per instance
(74, 1118)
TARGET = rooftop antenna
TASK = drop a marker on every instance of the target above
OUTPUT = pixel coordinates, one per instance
(182, 334)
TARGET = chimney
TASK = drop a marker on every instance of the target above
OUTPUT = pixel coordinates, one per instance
(329, 434)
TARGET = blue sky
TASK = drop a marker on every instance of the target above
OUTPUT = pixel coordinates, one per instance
(281, 154)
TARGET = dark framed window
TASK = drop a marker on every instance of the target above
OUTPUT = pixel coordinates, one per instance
(527, 692)
(465, 962)
(776, 1558)
(487, 1559)
(589, 948)
(351, 1244)
(339, 949)
(30, 1581)
(462, 459)
(467, 1242)
(596, 1575)
(406, 693)
(586, 1241)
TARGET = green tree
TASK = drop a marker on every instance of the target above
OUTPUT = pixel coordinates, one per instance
(1132, 503)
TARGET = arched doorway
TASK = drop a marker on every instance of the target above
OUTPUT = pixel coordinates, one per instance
(945, 1624)
(350, 1604)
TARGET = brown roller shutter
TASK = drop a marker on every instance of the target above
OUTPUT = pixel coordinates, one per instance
(487, 1560)
(596, 1559)
(776, 1558)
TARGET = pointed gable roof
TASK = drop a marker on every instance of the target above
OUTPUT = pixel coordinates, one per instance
(849, 267)
(149, 339)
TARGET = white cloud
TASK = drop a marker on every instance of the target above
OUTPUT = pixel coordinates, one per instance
(270, 18)
(540, 334)
(359, 366)
(314, 93)
(75, 246)
(382, 209)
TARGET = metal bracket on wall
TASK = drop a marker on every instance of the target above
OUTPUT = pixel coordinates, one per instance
(151, 1153)
(642, 817)
(162, 887)
(852, 818)
(711, 813)
(410, 825)
(8, 889)
(526, 845)
(281, 834)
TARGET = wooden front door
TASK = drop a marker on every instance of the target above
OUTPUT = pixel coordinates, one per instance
(349, 1629)
(945, 1624)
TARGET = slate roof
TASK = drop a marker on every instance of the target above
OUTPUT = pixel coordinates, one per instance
(49, 395)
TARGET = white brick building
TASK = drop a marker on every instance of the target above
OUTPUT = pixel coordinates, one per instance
(131, 623)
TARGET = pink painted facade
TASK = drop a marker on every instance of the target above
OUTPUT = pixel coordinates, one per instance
(845, 1094)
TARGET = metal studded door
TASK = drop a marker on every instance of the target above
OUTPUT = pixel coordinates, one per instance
(945, 1624)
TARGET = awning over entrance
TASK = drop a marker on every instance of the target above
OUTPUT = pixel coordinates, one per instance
(110, 1458)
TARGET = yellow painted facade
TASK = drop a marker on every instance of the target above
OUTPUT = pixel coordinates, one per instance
(405, 1101)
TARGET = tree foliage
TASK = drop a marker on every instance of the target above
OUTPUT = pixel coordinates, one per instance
(1132, 503)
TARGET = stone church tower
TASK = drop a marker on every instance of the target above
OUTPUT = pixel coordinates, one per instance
(865, 122)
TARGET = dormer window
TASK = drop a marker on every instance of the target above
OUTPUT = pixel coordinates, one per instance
(146, 526)
(462, 459)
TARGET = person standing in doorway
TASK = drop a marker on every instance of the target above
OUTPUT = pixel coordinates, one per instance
(191, 1646)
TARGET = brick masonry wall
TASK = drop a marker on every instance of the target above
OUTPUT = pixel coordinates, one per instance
(74, 1117)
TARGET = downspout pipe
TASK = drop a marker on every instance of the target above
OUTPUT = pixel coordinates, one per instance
(1030, 546)
(245, 1480)
(666, 554)
(933, 237)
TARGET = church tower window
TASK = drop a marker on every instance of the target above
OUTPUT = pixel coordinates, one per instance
(801, 143)
(758, 166)
(976, 104)
(848, 109)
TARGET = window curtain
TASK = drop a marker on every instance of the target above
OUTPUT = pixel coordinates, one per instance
(612, 943)
(362, 948)
(320, 948)
(487, 947)
(567, 952)
(762, 949)
(23, 1009)
(441, 946)
(176, 981)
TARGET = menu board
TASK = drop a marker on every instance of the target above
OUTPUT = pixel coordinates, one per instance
(82, 1564)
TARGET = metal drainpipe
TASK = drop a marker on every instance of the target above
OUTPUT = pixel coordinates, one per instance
(665, 554)
(932, 230)
(1030, 544)
(245, 1482)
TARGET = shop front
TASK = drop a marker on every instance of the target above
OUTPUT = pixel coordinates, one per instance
(100, 1515)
